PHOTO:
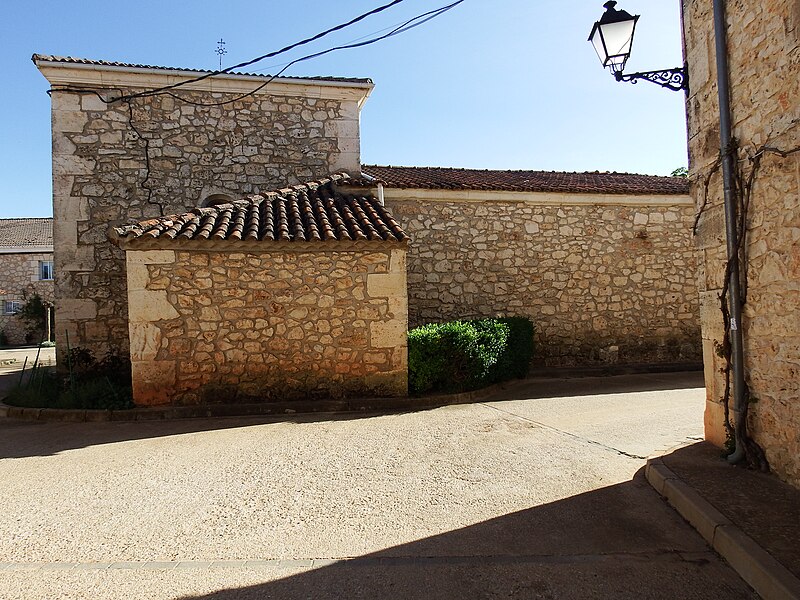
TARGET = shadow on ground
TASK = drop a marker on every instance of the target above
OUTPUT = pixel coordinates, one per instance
(616, 542)
(765, 508)
(19, 439)
(533, 388)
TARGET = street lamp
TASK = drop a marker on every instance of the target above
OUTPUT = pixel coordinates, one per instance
(612, 38)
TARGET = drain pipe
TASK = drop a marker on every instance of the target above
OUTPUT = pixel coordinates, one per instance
(379, 183)
(380, 194)
(734, 299)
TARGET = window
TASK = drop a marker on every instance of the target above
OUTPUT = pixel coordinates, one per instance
(11, 307)
(46, 270)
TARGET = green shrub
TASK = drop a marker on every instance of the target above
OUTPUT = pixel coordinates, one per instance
(467, 355)
(34, 313)
(426, 361)
(515, 361)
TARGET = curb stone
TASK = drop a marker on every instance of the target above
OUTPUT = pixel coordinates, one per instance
(306, 407)
(770, 579)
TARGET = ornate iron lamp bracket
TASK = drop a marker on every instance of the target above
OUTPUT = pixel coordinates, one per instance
(673, 79)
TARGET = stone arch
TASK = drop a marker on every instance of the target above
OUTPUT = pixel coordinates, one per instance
(216, 199)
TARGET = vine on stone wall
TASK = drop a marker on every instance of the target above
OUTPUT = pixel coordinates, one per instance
(744, 182)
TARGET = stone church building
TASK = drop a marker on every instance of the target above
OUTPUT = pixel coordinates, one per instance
(226, 236)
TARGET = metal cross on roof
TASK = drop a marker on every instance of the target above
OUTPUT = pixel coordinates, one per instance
(221, 51)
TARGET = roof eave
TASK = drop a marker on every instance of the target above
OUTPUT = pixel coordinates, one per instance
(256, 246)
(26, 249)
(110, 76)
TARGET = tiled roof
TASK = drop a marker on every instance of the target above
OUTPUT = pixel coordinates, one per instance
(108, 63)
(312, 212)
(439, 178)
(21, 233)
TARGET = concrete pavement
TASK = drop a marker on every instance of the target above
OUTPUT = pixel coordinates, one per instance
(540, 495)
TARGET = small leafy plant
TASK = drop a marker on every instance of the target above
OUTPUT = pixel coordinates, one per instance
(34, 312)
(90, 384)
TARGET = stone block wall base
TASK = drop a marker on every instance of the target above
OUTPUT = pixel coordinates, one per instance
(714, 423)
(153, 382)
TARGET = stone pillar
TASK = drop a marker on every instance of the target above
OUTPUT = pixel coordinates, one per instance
(153, 376)
(391, 333)
(69, 211)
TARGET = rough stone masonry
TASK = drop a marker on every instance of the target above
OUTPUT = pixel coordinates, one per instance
(252, 326)
(19, 280)
(117, 163)
(605, 279)
(764, 69)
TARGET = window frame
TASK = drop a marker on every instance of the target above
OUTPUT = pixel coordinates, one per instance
(46, 264)
(15, 307)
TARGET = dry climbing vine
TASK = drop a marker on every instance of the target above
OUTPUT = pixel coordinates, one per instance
(742, 193)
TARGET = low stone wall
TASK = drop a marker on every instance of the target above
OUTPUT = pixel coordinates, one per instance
(19, 277)
(604, 279)
(221, 326)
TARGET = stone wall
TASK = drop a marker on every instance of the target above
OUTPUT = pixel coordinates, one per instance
(117, 163)
(19, 277)
(764, 46)
(267, 325)
(604, 279)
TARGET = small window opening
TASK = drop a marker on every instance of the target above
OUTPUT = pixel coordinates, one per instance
(12, 307)
(217, 199)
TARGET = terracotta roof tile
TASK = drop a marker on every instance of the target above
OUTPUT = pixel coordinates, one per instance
(23, 233)
(108, 63)
(314, 211)
(439, 178)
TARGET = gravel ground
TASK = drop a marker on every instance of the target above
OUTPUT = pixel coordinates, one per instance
(519, 498)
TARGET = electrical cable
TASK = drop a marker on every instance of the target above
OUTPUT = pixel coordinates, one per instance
(358, 39)
(406, 26)
(270, 54)
(167, 90)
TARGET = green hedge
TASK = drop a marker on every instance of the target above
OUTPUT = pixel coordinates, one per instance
(467, 355)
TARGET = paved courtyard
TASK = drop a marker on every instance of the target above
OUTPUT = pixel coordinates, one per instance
(538, 495)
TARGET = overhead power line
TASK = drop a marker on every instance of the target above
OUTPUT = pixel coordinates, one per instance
(313, 38)
(167, 90)
(406, 26)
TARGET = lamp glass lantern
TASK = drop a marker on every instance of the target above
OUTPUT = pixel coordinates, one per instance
(612, 37)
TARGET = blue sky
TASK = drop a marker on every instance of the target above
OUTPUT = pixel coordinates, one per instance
(502, 84)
